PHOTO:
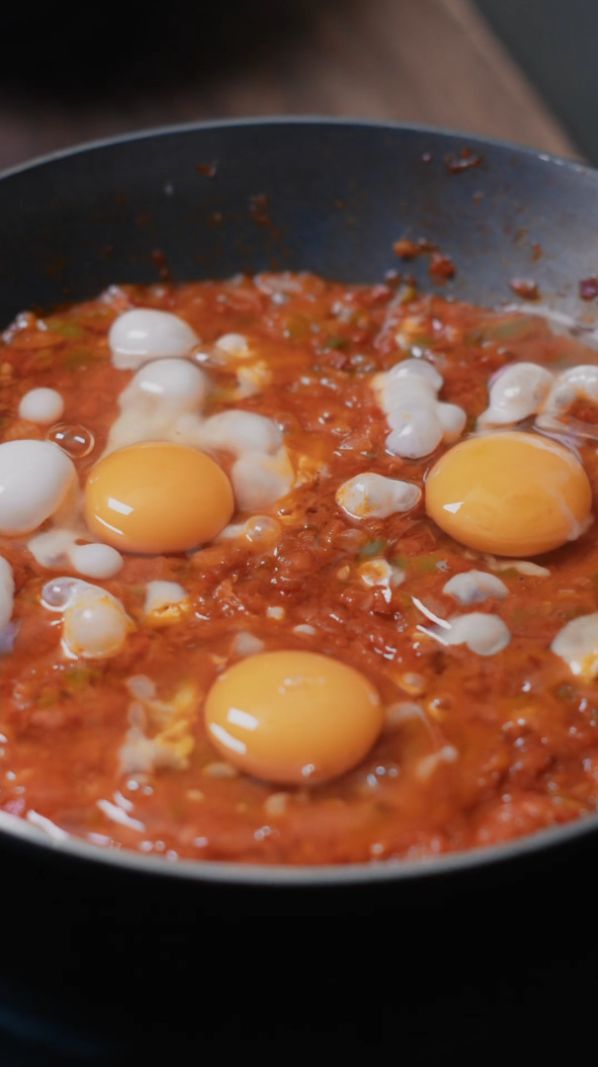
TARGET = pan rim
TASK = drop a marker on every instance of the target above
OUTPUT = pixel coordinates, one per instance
(287, 876)
(444, 133)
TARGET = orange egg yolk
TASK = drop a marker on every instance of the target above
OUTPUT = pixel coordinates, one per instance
(293, 717)
(512, 494)
(157, 497)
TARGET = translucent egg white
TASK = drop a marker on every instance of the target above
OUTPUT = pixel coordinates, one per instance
(579, 382)
(577, 644)
(416, 368)
(43, 406)
(473, 587)
(95, 624)
(418, 421)
(239, 432)
(145, 334)
(160, 594)
(35, 479)
(259, 480)
(517, 392)
(415, 432)
(175, 382)
(483, 634)
(95, 560)
(7, 592)
(375, 496)
(232, 346)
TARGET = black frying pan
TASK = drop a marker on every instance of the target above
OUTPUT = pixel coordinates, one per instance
(337, 194)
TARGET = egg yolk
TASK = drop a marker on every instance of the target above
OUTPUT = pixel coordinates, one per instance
(157, 497)
(512, 494)
(295, 718)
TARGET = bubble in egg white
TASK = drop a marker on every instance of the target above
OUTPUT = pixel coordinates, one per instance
(418, 421)
(416, 368)
(406, 393)
(59, 547)
(516, 392)
(96, 560)
(374, 496)
(43, 406)
(240, 432)
(426, 766)
(252, 378)
(579, 382)
(483, 634)
(163, 401)
(7, 592)
(59, 592)
(522, 566)
(262, 529)
(452, 419)
(577, 644)
(175, 382)
(246, 644)
(380, 573)
(52, 547)
(141, 687)
(162, 594)
(414, 432)
(585, 378)
(260, 480)
(145, 334)
(95, 625)
(259, 530)
(7, 638)
(472, 587)
(231, 532)
(35, 479)
(232, 346)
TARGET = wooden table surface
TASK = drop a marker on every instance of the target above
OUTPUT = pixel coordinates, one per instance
(431, 61)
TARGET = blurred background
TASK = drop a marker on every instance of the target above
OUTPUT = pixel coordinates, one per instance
(523, 70)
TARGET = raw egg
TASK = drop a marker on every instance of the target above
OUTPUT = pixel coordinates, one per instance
(297, 718)
(512, 494)
(157, 497)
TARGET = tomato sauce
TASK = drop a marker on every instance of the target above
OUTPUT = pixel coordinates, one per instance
(521, 730)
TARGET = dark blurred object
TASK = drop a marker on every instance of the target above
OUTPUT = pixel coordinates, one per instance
(555, 43)
(66, 78)
(132, 48)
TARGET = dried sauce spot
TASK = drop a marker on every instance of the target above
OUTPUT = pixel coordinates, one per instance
(258, 209)
(159, 260)
(441, 267)
(207, 170)
(526, 288)
(464, 160)
(588, 288)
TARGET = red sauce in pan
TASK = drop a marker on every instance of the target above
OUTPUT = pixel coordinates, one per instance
(521, 731)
